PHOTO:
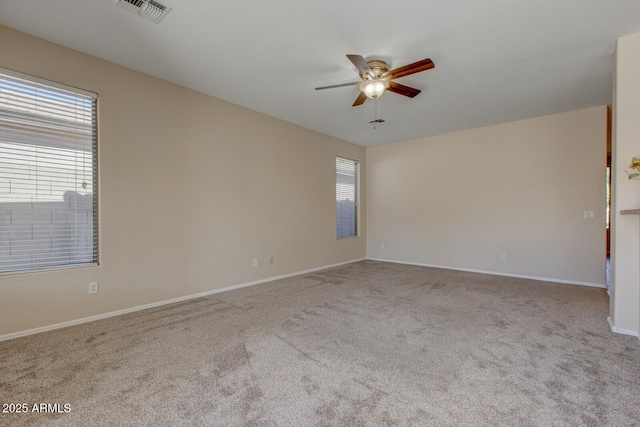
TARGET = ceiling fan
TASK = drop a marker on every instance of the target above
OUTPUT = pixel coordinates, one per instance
(376, 78)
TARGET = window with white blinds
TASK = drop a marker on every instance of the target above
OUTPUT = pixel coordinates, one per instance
(48, 175)
(346, 197)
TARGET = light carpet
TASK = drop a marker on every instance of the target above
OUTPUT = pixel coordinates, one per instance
(365, 344)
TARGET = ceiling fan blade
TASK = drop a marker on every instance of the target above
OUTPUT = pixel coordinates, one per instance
(416, 67)
(402, 89)
(340, 85)
(361, 64)
(360, 99)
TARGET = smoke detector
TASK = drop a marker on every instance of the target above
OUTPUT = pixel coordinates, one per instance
(147, 9)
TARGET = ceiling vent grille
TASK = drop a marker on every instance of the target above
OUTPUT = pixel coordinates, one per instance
(147, 9)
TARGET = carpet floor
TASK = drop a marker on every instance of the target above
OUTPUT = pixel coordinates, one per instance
(365, 344)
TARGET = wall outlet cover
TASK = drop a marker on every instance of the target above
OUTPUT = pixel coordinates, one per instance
(93, 287)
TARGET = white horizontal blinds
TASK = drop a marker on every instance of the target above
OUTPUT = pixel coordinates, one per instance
(48, 175)
(346, 197)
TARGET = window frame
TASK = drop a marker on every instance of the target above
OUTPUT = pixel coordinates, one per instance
(356, 207)
(92, 97)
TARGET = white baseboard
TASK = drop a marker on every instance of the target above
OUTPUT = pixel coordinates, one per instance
(495, 273)
(620, 330)
(161, 303)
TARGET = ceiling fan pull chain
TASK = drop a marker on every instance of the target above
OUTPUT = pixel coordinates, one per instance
(375, 113)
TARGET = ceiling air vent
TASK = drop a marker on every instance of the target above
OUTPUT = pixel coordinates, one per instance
(377, 122)
(148, 9)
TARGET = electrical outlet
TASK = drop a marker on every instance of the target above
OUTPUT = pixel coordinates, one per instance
(589, 215)
(93, 287)
(255, 262)
(382, 246)
(503, 256)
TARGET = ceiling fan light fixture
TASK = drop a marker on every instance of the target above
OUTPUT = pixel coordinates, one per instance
(374, 88)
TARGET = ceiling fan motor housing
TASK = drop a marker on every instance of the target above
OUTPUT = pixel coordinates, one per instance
(374, 83)
(378, 67)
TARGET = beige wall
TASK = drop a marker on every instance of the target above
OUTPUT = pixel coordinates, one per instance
(191, 190)
(461, 200)
(625, 235)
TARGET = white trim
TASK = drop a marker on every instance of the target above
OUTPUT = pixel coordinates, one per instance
(620, 330)
(519, 276)
(165, 302)
(44, 82)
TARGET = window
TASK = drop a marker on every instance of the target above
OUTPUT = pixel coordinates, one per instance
(48, 175)
(346, 197)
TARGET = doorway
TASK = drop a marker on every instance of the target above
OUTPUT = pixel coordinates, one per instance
(608, 204)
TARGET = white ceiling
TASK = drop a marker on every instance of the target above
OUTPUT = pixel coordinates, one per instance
(496, 60)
